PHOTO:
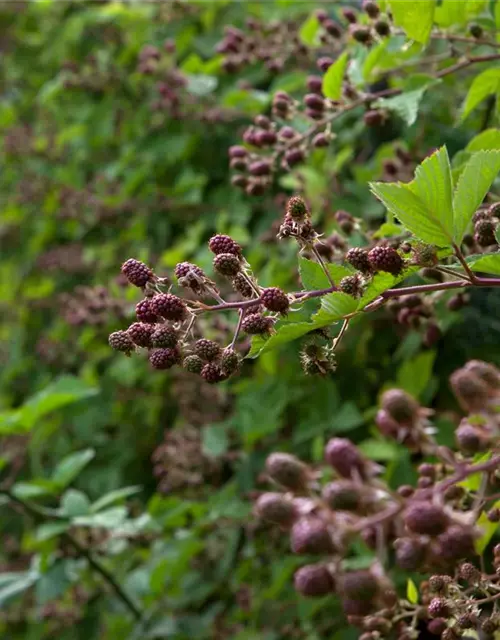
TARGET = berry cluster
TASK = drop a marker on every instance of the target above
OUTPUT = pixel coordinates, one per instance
(432, 528)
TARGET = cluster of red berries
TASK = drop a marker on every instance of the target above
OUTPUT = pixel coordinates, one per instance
(431, 527)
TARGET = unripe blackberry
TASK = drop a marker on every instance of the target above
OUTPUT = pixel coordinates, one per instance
(493, 515)
(294, 156)
(359, 585)
(351, 285)
(169, 306)
(332, 28)
(349, 15)
(145, 312)
(297, 209)
(471, 392)
(313, 580)
(469, 572)
(315, 84)
(121, 341)
(456, 302)
(257, 324)
(438, 584)
(164, 358)
(374, 118)
(256, 187)
(371, 8)
(260, 168)
(207, 349)
(342, 495)
(487, 372)
(239, 181)
(287, 133)
(437, 626)
(229, 362)
(320, 141)
(141, 333)
(345, 458)
(276, 508)
(274, 299)
(386, 259)
(238, 164)
(456, 543)
(476, 30)
(324, 63)
(266, 138)
(466, 621)
(357, 610)
(470, 439)
(211, 373)
(314, 101)
(410, 553)
(489, 626)
(136, 272)
(358, 258)
(189, 275)
(310, 535)
(224, 244)
(242, 286)
(391, 167)
(287, 470)
(227, 264)
(238, 151)
(400, 406)
(484, 233)
(164, 337)
(438, 608)
(193, 364)
(425, 518)
(382, 27)
(360, 33)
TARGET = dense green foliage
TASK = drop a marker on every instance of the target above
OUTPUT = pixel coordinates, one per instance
(120, 482)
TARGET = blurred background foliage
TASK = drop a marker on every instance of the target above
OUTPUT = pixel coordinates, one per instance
(95, 169)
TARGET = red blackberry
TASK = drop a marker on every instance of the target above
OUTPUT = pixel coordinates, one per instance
(274, 299)
(410, 553)
(342, 495)
(351, 285)
(314, 101)
(386, 259)
(287, 470)
(358, 258)
(211, 373)
(237, 151)
(169, 306)
(136, 272)
(164, 337)
(260, 168)
(359, 585)
(361, 33)
(371, 8)
(400, 406)
(345, 458)
(313, 580)
(207, 349)
(456, 543)
(189, 275)
(144, 311)
(438, 608)
(121, 341)
(164, 358)
(315, 84)
(224, 244)
(425, 518)
(193, 364)
(310, 536)
(227, 264)
(294, 157)
(257, 324)
(229, 362)
(470, 439)
(141, 333)
(276, 508)
(242, 286)
(349, 15)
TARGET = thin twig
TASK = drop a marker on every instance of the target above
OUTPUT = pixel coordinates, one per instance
(323, 265)
(238, 328)
(472, 276)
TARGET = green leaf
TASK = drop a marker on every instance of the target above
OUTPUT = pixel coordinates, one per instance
(74, 503)
(489, 263)
(371, 60)
(35, 489)
(334, 306)
(424, 206)
(380, 450)
(108, 519)
(416, 18)
(71, 466)
(309, 31)
(215, 440)
(406, 105)
(488, 528)
(313, 277)
(53, 583)
(49, 530)
(411, 592)
(488, 139)
(474, 183)
(485, 84)
(333, 78)
(114, 496)
(414, 375)
(452, 12)
(201, 84)
(13, 584)
(285, 333)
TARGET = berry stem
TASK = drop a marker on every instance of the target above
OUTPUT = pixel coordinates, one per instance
(238, 328)
(472, 276)
(468, 470)
(323, 266)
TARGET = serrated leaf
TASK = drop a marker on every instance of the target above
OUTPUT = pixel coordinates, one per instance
(474, 183)
(483, 85)
(313, 277)
(406, 105)
(285, 333)
(416, 18)
(489, 263)
(333, 78)
(71, 466)
(488, 139)
(411, 592)
(309, 31)
(380, 283)
(452, 12)
(334, 306)
(375, 54)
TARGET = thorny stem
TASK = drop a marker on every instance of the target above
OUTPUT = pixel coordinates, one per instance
(34, 511)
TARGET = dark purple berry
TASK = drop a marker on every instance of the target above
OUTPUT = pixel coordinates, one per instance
(314, 101)
(207, 349)
(294, 156)
(315, 84)
(360, 33)
(211, 373)
(484, 233)
(410, 553)
(351, 285)
(358, 258)
(476, 30)
(382, 27)
(310, 535)
(229, 362)
(332, 28)
(121, 341)
(437, 626)
(260, 168)
(169, 306)
(321, 140)
(224, 244)
(164, 337)
(324, 63)
(276, 508)
(144, 311)
(386, 259)
(227, 264)
(371, 8)
(314, 580)
(438, 608)
(287, 470)
(374, 118)
(358, 585)
(342, 495)
(164, 358)
(136, 272)
(242, 286)
(400, 406)
(274, 299)
(349, 15)
(237, 152)
(345, 458)
(257, 324)
(425, 518)
(141, 333)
